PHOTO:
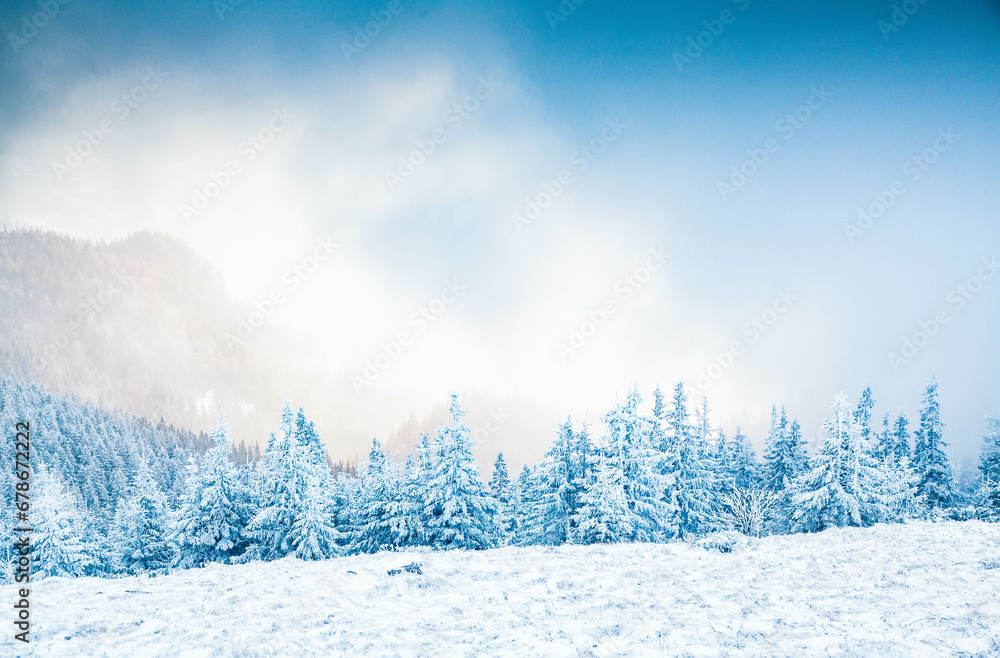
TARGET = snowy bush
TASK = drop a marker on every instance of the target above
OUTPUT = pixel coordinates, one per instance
(747, 509)
(725, 541)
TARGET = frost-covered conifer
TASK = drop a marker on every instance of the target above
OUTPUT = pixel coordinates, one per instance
(141, 529)
(214, 510)
(689, 494)
(553, 495)
(280, 487)
(899, 441)
(381, 515)
(845, 485)
(930, 460)
(627, 448)
(500, 488)
(604, 516)
(61, 537)
(314, 533)
(988, 492)
(459, 512)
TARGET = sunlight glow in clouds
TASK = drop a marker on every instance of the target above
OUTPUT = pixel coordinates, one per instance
(342, 165)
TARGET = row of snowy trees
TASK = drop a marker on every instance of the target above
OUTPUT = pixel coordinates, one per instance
(652, 477)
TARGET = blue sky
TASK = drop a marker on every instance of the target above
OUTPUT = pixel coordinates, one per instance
(657, 186)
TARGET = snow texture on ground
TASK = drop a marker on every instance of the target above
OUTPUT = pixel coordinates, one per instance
(921, 589)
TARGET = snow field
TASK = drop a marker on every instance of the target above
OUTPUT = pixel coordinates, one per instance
(921, 589)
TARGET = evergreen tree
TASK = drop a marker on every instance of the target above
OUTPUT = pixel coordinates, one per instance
(785, 461)
(785, 458)
(314, 533)
(882, 441)
(893, 451)
(279, 492)
(500, 488)
(214, 510)
(604, 516)
(627, 448)
(142, 529)
(713, 463)
(689, 495)
(845, 486)
(500, 482)
(293, 495)
(930, 460)
(406, 505)
(899, 493)
(899, 444)
(659, 411)
(343, 492)
(741, 463)
(988, 493)
(553, 497)
(863, 415)
(519, 496)
(380, 514)
(701, 431)
(313, 452)
(61, 546)
(459, 512)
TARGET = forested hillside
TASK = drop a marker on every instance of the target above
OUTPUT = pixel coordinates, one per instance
(141, 324)
(86, 457)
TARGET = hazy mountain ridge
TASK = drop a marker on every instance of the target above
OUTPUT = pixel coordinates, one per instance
(140, 324)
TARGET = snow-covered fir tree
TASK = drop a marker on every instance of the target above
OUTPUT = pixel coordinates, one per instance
(314, 531)
(500, 482)
(500, 488)
(988, 491)
(292, 493)
(785, 457)
(519, 492)
(214, 510)
(459, 512)
(863, 415)
(930, 460)
(627, 448)
(389, 504)
(374, 528)
(412, 495)
(688, 484)
(900, 490)
(739, 463)
(898, 448)
(63, 543)
(893, 452)
(277, 495)
(845, 484)
(604, 516)
(139, 541)
(554, 491)
(407, 505)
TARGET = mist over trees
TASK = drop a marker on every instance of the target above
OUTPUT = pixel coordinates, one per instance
(141, 324)
(117, 495)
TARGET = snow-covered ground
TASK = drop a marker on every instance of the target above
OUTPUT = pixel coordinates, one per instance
(893, 590)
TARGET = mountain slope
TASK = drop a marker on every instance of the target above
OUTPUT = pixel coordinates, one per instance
(141, 324)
